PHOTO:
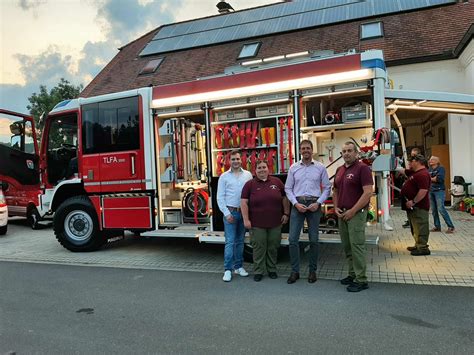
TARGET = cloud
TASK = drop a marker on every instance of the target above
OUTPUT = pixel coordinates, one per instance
(14, 97)
(123, 20)
(47, 69)
(30, 4)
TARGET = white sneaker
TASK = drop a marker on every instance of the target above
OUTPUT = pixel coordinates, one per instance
(227, 276)
(241, 271)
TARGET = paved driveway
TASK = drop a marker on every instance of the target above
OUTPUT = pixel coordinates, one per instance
(451, 261)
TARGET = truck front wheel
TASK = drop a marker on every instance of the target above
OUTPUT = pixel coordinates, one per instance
(76, 226)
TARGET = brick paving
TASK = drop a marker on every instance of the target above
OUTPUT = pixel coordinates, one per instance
(451, 262)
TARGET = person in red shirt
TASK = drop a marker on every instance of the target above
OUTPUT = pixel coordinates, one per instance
(415, 200)
(264, 209)
(353, 187)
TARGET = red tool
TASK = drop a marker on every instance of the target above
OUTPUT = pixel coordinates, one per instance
(218, 134)
(281, 123)
(242, 135)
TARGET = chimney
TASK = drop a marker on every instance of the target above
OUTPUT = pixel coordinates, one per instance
(223, 7)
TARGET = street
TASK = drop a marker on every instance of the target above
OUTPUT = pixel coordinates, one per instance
(60, 309)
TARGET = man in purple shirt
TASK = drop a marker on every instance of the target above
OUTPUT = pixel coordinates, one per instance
(307, 187)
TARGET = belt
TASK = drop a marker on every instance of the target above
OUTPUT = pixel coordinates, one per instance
(306, 198)
(346, 209)
(233, 209)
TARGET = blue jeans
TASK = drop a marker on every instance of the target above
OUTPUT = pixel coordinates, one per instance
(234, 242)
(437, 205)
(296, 224)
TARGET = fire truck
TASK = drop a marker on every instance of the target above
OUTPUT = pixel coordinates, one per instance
(19, 166)
(148, 160)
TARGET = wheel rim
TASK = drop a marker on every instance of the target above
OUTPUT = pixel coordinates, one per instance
(78, 226)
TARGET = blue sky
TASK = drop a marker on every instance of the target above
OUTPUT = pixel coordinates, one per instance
(42, 41)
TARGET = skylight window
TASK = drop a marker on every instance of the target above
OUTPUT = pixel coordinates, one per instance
(371, 30)
(151, 66)
(249, 50)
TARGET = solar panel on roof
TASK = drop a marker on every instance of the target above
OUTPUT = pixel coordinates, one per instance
(266, 20)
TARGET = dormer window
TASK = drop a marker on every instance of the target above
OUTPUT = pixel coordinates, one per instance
(249, 50)
(151, 66)
(371, 30)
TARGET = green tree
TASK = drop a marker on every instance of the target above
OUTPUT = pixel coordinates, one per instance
(44, 101)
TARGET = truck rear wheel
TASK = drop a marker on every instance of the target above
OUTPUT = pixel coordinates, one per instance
(33, 218)
(3, 230)
(76, 226)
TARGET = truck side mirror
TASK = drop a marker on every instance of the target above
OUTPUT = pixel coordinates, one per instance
(16, 128)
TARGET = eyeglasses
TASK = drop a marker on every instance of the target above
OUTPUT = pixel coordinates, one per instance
(234, 159)
(347, 150)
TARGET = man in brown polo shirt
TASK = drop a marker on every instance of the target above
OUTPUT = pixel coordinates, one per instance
(415, 200)
(351, 195)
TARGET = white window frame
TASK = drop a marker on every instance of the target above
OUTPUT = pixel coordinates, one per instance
(247, 47)
(371, 30)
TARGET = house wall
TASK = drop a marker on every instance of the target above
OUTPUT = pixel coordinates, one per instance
(446, 75)
(461, 127)
(450, 76)
(461, 152)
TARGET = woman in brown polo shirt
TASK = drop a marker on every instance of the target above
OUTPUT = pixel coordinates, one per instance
(264, 209)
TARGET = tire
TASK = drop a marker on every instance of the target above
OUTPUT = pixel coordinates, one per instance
(76, 226)
(3, 230)
(33, 217)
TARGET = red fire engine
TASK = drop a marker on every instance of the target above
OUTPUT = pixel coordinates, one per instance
(148, 160)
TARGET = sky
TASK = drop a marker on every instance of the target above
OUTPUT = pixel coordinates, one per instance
(42, 41)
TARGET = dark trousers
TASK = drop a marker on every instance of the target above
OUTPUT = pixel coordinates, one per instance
(420, 228)
(296, 225)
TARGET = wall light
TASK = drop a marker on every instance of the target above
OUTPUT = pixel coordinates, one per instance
(178, 113)
(439, 109)
(287, 85)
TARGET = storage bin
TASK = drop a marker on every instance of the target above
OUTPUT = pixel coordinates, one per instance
(272, 110)
(232, 115)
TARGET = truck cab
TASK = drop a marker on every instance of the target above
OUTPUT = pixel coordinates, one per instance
(19, 166)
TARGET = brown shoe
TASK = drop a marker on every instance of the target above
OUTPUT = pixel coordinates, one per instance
(412, 248)
(435, 229)
(293, 277)
(450, 230)
(312, 277)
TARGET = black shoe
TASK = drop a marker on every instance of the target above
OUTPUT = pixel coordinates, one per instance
(293, 277)
(349, 280)
(272, 275)
(357, 287)
(312, 277)
(406, 224)
(411, 248)
(257, 277)
(419, 252)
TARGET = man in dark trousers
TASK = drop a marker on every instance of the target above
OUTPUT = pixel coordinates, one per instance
(353, 186)
(414, 151)
(437, 196)
(307, 187)
(415, 200)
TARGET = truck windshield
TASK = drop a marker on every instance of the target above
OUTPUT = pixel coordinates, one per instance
(16, 134)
